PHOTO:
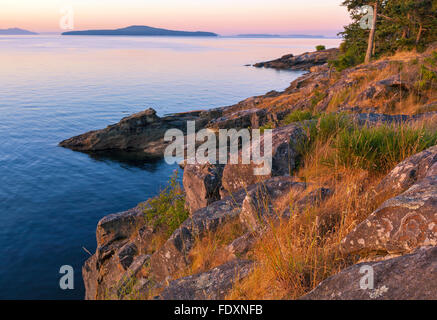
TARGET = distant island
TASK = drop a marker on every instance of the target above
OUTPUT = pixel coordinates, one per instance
(140, 31)
(278, 36)
(16, 32)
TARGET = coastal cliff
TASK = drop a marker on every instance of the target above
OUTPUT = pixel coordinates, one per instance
(354, 182)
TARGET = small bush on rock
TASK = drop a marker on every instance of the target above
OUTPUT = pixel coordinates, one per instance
(167, 210)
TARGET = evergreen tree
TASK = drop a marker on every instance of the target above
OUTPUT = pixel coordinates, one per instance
(396, 24)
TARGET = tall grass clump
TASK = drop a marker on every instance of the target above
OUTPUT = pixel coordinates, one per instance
(298, 116)
(380, 148)
(322, 130)
(167, 210)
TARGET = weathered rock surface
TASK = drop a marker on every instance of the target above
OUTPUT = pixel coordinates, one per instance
(301, 62)
(211, 285)
(373, 119)
(285, 154)
(202, 184)
(123, 247)
(409, 277)
(173, 256)
(242, 245)
(261, 203)
(143, 131)
(278, 197)
(118, 226)
(400, 224)
(408, 172)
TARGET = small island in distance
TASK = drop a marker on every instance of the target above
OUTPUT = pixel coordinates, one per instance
(16, 32)
(140, 31)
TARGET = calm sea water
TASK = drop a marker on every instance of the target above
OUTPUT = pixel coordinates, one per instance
(54, 87)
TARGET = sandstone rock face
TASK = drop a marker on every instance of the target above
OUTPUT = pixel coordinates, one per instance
(301, 62)
(374, 119)
(278, 197)
(408, 172)
(211, 285)
(285, 153)
(118, 226)
(143, 131)
(408, 277)
(241, 246)
(202, 183)
(253, 118)
(173, 256)
(400, 224)
(261, 203)
(385, 88)
(120, 254)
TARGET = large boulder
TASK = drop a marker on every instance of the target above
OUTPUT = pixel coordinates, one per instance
(123, 248)
(279, 197)
(303, 61)
(253, 118)
(267, 200)
(285, 154)
(202, 184)
(400, 224)
(118, 226)
(408, 172)
(211, 285)
(174, 256)
(409, 277)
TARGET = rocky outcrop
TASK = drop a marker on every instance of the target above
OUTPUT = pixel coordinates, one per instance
(408, 172)
(303, 61)
(406, 221)
(131, 261)
(202, 184)
(143, 131)
(285, 154)
(211, 285)
(409, 277)
(173, 257)
(400, 224)
(374, 119)
(264, 201)
(123, 241)
(242, 245)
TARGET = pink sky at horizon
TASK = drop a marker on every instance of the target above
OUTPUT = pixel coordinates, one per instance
(225, 17)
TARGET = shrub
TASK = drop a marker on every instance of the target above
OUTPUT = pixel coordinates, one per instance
(346, 60)
(320, 47)
(297, 116)
(427, 78)
(167, 210)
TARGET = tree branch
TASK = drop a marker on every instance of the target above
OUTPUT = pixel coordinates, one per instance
(385, 17)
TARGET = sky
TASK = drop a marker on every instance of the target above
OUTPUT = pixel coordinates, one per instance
(225, 17)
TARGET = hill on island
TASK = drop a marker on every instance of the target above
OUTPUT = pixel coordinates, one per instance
(16, 31)
(140, 31)
(250, 35)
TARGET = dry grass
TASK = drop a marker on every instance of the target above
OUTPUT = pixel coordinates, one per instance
(296, 255)
(210, 251)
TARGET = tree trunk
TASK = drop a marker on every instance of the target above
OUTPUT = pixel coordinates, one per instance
(372, 34)
(419, 34)
(406, 32)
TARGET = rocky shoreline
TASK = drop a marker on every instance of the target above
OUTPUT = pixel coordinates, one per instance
(399, 237)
